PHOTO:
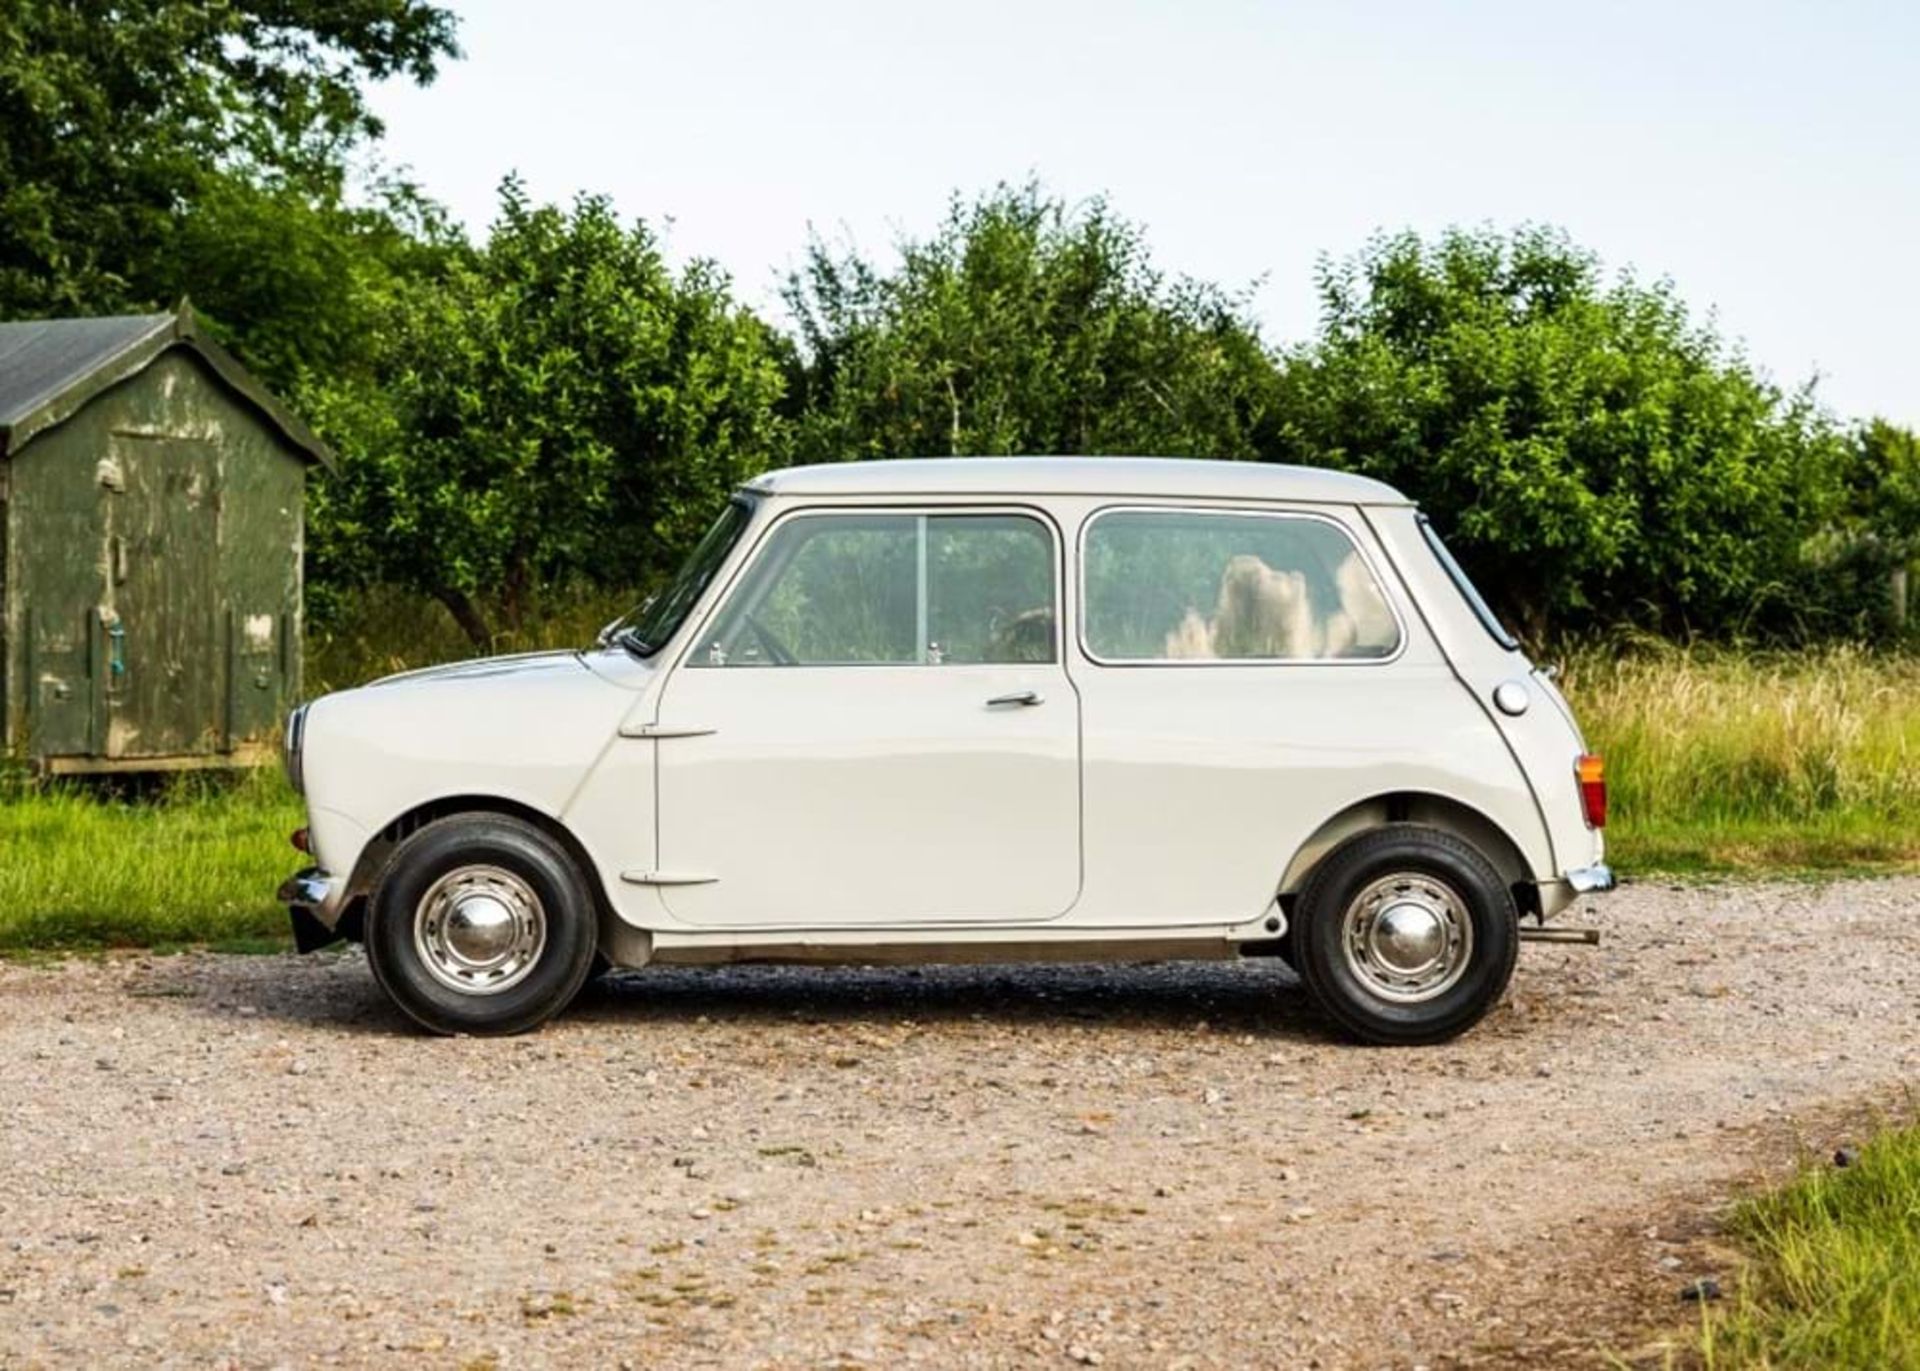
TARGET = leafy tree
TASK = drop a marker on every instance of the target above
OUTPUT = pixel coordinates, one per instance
(555, 405)
(1866, 557)
(1021, 326)
(1884, 488)
(1596, 455)
(151, 148)
(292, 284)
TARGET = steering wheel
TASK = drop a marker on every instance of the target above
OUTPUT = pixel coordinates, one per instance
(770, 643)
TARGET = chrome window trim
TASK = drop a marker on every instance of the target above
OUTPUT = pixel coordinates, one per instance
(1381, 583)
(923, 510)
(1463, 583)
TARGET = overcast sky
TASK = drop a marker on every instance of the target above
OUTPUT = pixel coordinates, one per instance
(1764, 155)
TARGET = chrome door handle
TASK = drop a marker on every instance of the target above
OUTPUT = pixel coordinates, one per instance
(1018, 697)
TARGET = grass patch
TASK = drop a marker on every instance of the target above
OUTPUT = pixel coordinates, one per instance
(194, 861)
(1836, 1274)
(1720, 761)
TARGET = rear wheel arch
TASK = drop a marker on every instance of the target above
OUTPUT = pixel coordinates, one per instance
(1414, 807)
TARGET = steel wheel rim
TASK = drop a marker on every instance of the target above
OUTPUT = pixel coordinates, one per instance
(479, 930)
(1407, 937)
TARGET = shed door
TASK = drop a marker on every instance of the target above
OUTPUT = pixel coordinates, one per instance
(164, 652)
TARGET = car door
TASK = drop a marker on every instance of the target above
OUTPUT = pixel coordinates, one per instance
(874, 728)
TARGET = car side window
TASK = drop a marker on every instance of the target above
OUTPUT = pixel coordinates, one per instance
(1220, 586)
(892, 589)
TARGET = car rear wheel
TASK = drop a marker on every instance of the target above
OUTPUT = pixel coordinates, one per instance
(482, 924)
(1406, 934)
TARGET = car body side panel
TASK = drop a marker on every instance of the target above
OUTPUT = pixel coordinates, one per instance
(1543, 740)
(528, 733)
(1201, 785)
(1204, 780)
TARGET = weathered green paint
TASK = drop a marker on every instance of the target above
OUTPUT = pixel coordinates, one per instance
(150, 595)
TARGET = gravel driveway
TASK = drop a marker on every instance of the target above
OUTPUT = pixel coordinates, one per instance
(251, 1160)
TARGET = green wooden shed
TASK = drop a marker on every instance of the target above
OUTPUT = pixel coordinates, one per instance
(151, 526)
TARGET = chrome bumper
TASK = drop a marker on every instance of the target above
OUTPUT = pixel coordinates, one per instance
(315, 900)
(1586, 880)
(1591, 880)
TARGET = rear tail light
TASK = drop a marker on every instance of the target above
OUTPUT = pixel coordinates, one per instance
(1592, 774)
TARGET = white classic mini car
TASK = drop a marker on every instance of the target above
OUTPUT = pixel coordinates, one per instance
(978, 709)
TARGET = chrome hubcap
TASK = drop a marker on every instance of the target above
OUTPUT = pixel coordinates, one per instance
(1407, 937)
(479, 930)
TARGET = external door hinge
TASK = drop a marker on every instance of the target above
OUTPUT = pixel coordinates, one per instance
(663, 731)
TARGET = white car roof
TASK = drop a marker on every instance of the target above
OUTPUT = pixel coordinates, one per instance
(1164, 477)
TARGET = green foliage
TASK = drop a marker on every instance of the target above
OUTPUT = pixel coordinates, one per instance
(1022, 326)
(1875, 537)
(555, 405)
(1594, 455)
(1836, 1280)
(1884, 488)
(291, 283)
(167, 147)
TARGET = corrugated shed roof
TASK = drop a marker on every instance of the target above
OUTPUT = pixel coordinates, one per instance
(50, 368)
(41, 358)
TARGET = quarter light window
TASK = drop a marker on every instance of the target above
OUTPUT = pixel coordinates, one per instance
(1195, 585)
(892, 589)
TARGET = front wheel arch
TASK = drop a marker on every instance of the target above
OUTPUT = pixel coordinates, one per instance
(378, 853)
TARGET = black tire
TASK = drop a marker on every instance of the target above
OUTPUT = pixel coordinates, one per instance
(1434, 861)
(533, 866)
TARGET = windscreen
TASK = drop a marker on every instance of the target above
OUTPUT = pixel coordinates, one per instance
(650, 626)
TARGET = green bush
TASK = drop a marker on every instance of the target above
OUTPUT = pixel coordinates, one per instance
(555, 407)
(1593, 454)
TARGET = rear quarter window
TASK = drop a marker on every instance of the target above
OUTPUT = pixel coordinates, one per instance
(1193, 585)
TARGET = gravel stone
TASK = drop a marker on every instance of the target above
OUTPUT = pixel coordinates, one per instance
(1013, 1162)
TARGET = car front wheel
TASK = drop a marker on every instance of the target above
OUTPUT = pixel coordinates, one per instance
(1406, 934)
(482, 924)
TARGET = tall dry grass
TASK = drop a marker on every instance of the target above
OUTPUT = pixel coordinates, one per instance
(1725, 759)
